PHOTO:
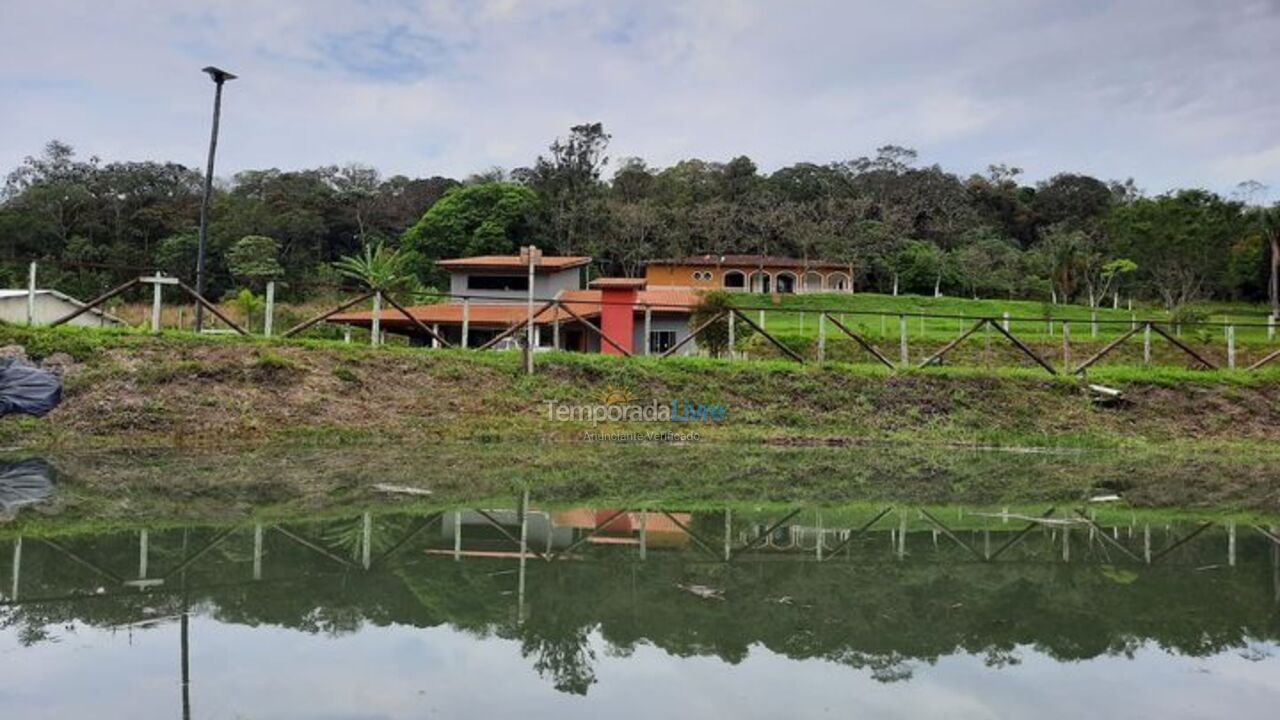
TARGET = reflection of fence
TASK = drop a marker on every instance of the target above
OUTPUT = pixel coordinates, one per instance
(627, 533)
(810, 334)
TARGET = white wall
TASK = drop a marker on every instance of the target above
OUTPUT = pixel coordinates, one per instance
(48, 308)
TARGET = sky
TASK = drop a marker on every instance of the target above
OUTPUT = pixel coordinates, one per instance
(1173, 93)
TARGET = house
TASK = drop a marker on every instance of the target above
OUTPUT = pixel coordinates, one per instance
(489, 296)
(50, 305)
(750, 273)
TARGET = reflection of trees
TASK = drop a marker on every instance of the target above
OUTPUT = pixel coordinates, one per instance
(883, 617)
(562, 654)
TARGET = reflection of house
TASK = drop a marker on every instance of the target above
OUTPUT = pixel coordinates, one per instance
(557, 530)
(496, 290)
(49, 306)
(750, 273)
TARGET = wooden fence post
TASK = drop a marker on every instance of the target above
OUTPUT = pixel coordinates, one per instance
(466, 321)
(1066, 345)
(375, 324)
(1231, 347)
(269, 318)
(31, 294)
(903, 356)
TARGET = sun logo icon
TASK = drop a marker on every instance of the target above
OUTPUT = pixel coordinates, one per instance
(616, 396)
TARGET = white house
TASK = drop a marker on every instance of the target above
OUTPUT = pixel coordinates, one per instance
(49, 306)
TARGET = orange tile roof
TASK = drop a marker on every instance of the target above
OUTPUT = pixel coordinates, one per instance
(585, 303)
(546, 262)
(617, 283)
(750, 261)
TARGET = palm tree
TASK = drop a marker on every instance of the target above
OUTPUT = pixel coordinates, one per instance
(377, 267)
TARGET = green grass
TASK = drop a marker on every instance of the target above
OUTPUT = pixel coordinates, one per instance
(876, 316)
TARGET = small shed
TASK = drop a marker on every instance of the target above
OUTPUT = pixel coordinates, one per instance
(49, 306)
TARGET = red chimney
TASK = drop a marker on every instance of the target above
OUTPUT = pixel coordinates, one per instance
(617, 312)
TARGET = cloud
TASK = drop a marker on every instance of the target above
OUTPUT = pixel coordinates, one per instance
(1172, 93)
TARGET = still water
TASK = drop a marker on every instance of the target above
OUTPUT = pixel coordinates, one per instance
(598, 612)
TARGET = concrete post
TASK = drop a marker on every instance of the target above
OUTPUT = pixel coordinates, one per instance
(143, 553)
(1146, 344)
(435, 341)
(1231, 543)
(1005, 321)
(366, 541)
(375, 327)
(1231, 347)
(902, 341)
(155, 306)
(644, 534)
(17, 567)
(762, 319)
(457, 536)
(1066, 345)
(728, 534)
(731, 335)
(466, 322)
(648, 328)
(269, 318)
(822, 338)
(1271, 327)
(31, 294)
(257, 551)
(1093, 324)
(555, 325)
(346, 335)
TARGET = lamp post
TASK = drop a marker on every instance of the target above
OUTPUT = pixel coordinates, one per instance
(219, 77)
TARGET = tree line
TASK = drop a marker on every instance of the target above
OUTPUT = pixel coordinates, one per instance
(903, 226)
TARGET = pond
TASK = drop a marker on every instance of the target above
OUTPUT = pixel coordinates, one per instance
(560, 610)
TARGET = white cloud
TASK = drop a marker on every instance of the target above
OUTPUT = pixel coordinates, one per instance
(1173, 93)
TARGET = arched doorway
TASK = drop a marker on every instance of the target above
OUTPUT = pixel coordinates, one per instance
(812, 282)
(760, 282)
(838, 282)
(784, 283)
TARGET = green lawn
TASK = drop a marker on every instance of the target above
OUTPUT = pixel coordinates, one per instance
(877, 316)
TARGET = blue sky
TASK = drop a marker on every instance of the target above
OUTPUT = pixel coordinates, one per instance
(1172, 93)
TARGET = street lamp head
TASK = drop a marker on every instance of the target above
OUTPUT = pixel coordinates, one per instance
(219, 75)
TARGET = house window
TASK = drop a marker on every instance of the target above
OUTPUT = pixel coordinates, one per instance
(497, 282)
(701, 275)
(734, 279)
(661, 341)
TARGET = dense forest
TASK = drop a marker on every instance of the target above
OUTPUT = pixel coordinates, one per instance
(904, 226)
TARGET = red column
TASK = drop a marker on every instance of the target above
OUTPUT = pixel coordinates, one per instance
(617, 318)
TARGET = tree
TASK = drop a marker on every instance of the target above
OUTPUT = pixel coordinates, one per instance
(715, 338)
(568, 182)
(492, 218)
(1181, 239)
(254, 259)
(377, 267)
(1268, 220)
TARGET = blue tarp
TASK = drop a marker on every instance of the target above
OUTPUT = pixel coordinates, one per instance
(27, 389)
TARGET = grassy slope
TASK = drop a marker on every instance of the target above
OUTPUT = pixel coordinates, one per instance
(131, 389)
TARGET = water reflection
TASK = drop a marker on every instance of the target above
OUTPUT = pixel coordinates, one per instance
(888, 592)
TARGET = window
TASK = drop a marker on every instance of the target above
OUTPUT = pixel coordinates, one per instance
(497, 282)
(701, 275)
(661, 341)
(735, 279)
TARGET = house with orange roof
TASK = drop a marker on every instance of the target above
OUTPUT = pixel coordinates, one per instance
(751, 273)
(489, 294)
